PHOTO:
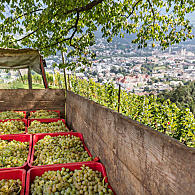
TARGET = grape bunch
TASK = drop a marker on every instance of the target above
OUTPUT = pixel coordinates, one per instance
(59, 150)
(44, 114)
(13, 153)
(52, 127)
(10, 186)
(85, 181)
(11, 115)
(12, 127)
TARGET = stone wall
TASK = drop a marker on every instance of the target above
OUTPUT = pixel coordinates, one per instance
(138, 159)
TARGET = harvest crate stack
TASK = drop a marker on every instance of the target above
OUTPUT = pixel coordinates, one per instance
(39, 146)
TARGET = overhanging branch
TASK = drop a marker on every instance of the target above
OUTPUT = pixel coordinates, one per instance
(133, 9)
(27, 35)
(24, 14)
(68, 38)
(77, 10)
(153, 13)
(85, 8)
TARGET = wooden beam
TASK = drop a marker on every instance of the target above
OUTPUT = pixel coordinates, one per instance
(43, 73)
(63, 61)
(29, 78)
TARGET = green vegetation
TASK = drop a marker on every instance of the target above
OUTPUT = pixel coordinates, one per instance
(183, 96)
(22, 83)
(70, 26)
(37, 82)
(160, 68)
(147, 68)
(162, 115)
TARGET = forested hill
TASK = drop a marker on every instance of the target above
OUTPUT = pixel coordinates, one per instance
(183, 96)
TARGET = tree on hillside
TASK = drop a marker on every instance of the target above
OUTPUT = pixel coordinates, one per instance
(183, 96)
(70, 25)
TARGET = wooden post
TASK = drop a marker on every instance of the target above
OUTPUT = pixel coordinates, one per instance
(29, 78)
(68, 82)
(43, 73)
(63, 61)
(119, 97)
(21, 76)
(65, 79)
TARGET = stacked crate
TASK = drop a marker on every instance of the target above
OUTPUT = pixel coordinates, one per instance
(33, 136)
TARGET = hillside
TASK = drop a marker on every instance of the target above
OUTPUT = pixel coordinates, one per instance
(183, 96)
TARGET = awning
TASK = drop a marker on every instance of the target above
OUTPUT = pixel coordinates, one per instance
(20, 59)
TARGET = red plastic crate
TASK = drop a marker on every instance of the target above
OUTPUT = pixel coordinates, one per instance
(24, 120)
(15, 174)
(39, 136)
(32, 173)
(17, 111)
(46, 121)
(47, 110)
(21, 138)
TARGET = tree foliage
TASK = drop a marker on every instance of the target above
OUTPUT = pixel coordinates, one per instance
(183, 96)
(70, 25)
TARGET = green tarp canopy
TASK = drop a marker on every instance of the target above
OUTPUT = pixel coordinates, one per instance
(23, 58)
(20, 59)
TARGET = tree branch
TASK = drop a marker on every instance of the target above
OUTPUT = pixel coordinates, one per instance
(76, 46)
(153, 13)
(31, 32)
(27, 14)
(86, 7)
(133, 9)
(69, 38)
(76, 24)
(27, 35)
(77, 10)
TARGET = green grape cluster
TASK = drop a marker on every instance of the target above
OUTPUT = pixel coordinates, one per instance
(10, 186)
(11, 115)
(59, 150)
(43, 114)
(13, 153)
(85, 181)
(12, 127)
(52, 127)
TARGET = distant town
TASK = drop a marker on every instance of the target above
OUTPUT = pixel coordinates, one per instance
(141, 71)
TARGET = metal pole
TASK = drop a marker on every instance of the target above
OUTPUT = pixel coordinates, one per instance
(29, 78)
(119, 97)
